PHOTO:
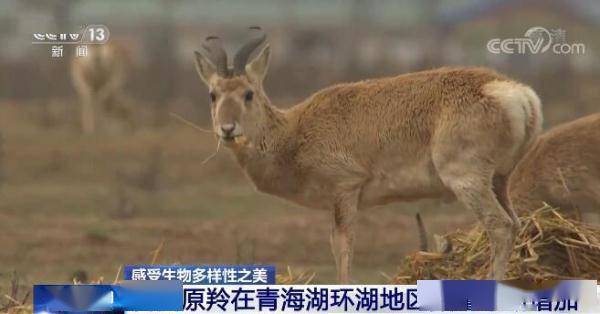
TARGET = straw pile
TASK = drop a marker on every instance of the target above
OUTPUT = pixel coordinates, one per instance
(550, 246)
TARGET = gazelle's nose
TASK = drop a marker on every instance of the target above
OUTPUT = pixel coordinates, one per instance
(227, 128)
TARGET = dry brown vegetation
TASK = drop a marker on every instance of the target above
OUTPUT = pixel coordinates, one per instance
(550, 246)
(17, 298)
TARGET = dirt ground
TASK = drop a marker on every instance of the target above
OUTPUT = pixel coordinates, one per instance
(72, 203)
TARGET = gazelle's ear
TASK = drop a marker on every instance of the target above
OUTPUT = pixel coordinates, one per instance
(205, 68)
(257, 68)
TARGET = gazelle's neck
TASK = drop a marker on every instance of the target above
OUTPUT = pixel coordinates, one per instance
(267, 158)
(274, 132)
(271, 139)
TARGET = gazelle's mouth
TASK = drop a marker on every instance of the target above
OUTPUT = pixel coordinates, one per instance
(228, 138)
(231, 138)
(234, 139)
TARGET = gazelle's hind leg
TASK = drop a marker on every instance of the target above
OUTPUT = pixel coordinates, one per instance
(468, 175)
(474, 191)
(500, 183)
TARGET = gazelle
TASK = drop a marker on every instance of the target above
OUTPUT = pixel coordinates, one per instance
(99, 78)
(449, 132)
(562, 168)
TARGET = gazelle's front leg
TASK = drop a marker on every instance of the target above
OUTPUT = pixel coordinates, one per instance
(88, 117)
(342, 234)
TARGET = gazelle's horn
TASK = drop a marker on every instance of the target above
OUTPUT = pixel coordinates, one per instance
(217, 54)
(241, 57)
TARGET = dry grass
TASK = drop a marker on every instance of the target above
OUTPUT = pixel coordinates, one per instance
(17, 299)
(295, 278)
(550, 246)
(197, 127)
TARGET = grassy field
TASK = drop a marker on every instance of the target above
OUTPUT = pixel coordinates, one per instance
(72, 203)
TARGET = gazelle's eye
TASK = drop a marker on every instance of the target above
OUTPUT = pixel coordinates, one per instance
(213, 97)
(248, 96)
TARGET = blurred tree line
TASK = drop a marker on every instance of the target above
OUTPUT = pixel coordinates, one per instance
(315, 43)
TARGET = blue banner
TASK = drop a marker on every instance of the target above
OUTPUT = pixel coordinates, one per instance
(204, 275)
(126, 296)
(510, 295)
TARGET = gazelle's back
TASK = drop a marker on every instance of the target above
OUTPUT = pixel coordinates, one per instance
(420, 93)
(562, 169)
(404, 108)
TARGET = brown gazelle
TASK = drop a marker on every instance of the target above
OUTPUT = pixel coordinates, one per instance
(562, 169)
(450, 132)
(99, 78)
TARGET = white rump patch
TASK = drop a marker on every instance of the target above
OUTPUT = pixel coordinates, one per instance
(523, 109)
